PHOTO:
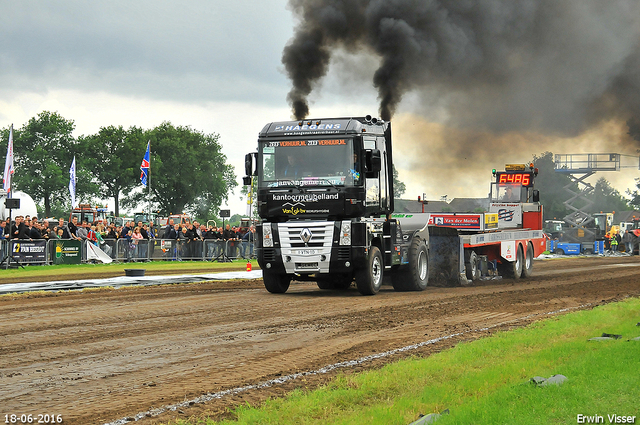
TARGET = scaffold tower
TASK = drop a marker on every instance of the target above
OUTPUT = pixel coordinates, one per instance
(579, 167)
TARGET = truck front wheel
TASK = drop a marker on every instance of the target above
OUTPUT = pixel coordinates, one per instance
(276, 283)
(369, 279)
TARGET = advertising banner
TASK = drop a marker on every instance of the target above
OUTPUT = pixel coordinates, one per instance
(66, 252)
(25, 251)
(509, 214)
(459, 221)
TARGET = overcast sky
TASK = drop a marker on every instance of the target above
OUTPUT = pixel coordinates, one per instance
(216, 66)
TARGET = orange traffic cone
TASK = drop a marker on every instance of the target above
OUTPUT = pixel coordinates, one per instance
(248, 266)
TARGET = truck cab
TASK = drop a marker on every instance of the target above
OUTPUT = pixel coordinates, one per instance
(325, 194)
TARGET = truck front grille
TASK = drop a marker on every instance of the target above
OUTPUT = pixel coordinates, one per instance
(344, 254)
(269, 254)
(291, 234)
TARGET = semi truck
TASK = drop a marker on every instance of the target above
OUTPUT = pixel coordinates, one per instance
(325, 199)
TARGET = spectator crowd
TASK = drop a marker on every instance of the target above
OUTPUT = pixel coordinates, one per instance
(189, 240)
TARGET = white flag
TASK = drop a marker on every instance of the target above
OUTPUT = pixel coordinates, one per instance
(72, 182)
(8, 164)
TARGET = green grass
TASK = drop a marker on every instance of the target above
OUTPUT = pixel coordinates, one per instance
(74, 269)
(486, 381)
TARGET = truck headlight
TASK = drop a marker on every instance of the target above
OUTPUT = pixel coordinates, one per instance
(345, 233)
(267, 236)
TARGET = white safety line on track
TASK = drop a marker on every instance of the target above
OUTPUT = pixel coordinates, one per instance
(119, 281)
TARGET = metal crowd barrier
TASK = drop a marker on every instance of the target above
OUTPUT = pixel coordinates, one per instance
(68, 251)
(179, 250)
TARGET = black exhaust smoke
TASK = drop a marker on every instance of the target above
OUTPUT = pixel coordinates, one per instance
(499, 65)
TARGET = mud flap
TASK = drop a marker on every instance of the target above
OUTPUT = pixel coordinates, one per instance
(446, 257)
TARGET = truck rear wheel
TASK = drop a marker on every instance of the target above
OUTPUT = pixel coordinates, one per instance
(527, 267)
(369, 279)
(416, 277)
(276, 283)
(471, 266)
(513, 269)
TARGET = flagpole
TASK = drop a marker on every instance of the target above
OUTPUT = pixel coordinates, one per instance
(8, 164)
(149, 180)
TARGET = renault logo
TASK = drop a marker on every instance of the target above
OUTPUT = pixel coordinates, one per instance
(305, 235)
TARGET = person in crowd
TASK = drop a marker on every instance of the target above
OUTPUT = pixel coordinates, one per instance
(125, 229)
(192, 237)
(175, 235)
(183, 243)
(209, 242)
(128, 245)
(137, 239)
(92, 236)
(3, 230)
(168, 230)
(45, 229)
(247, 242)
(109, 233)
(151, 242)
(34, 231)
(19, 230)
(230, 241)
(199, 237)
(73, 228)
(171, 231)
(83, 231)
(4, 235)
(66, 234)
(144, 242)
(629, 239)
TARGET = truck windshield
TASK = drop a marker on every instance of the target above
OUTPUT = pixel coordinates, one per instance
(318, 162)
(506, 192)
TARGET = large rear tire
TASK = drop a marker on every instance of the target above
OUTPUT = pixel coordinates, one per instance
(527, 267)
(416, 277)
(369, 279)
(276, 283)
(513, 269)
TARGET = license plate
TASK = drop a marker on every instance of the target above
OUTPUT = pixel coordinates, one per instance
(307, 265)
(306, 251)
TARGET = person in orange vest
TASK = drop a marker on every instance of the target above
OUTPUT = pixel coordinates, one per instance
(607, 241)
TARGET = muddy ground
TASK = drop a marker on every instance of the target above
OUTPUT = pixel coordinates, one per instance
(98, 356)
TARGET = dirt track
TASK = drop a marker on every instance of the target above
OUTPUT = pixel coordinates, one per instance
(95, 357)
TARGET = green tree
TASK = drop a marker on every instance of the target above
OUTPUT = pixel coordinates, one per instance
(43, 150)
(635, 195)
(398, 187)
(114, 155)
(607, 199)
(551, 186)
(188, 172)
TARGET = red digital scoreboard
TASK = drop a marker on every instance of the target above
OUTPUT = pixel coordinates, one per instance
(520, 178)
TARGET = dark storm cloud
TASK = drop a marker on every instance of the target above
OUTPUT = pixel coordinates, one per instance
(200, 50)
(557, 67)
